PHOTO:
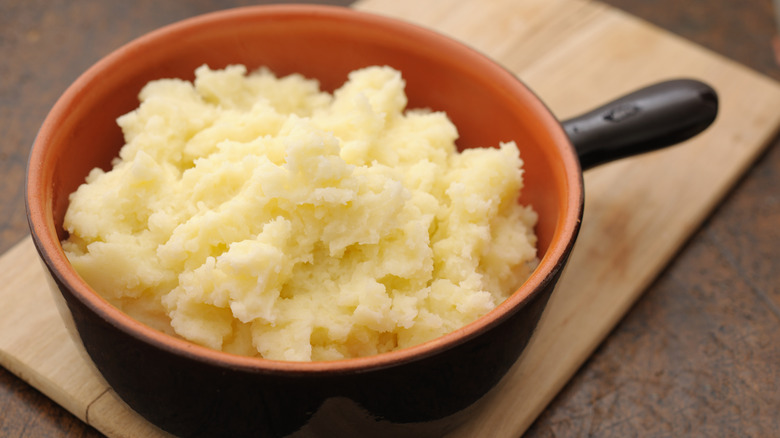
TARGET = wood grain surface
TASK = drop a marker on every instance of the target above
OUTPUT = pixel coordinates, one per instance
(697, 355)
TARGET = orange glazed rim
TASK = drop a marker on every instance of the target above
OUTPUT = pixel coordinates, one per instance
(40, 183)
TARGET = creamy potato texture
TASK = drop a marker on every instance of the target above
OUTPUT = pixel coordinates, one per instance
(261, 216)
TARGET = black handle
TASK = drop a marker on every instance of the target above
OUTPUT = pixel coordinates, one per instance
(655, 117)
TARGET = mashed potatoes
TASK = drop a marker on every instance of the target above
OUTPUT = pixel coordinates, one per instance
(260, 216)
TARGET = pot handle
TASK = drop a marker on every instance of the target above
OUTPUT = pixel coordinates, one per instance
(651, 118)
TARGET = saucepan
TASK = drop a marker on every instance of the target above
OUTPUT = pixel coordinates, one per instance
(424, 390)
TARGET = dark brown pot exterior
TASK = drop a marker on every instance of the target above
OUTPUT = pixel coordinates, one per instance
(425, 390)
(420, 398)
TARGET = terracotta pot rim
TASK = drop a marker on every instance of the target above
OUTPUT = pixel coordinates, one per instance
(47, 243)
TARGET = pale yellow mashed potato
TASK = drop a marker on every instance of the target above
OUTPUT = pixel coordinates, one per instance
(260, 216)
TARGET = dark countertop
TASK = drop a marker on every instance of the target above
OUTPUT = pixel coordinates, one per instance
(699, 353)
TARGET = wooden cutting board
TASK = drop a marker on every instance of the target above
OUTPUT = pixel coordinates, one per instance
(575, 54)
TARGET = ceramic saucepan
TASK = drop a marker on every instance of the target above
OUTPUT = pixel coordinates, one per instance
(425, 390)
